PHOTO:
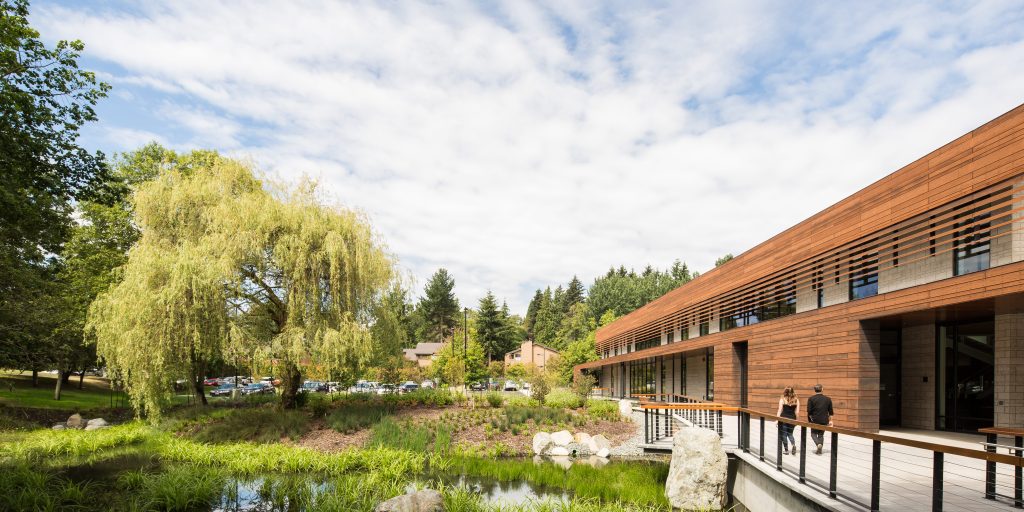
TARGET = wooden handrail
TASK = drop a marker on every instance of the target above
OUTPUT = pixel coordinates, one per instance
(1002, 431)
(1011, 460)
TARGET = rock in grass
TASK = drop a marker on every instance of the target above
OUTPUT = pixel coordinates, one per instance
(697, 474)
(427, 500)
(75, 421)
(97, 422)
(626, 409)
(561, 438)
(559, 451)
(541, 442)
(59, 426)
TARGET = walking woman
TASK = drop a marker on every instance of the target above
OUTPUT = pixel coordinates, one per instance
(789, 408)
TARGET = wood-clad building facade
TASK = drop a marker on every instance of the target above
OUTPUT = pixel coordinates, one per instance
(904, 300)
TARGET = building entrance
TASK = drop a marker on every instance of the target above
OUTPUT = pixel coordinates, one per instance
(890, 400)
(965, 390)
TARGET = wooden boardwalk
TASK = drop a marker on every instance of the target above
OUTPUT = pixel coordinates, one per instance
(906, 472)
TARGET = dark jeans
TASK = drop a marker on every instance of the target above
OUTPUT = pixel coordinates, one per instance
(786, 433)
(818, 436)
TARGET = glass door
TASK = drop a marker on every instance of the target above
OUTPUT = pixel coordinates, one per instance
(966, 376)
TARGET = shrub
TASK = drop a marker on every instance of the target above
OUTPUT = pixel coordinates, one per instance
(257, 425)
(494, 399)
(603, 409)
(540, 385)
(518, 400)
(582, 385)
(562, 398)
(539, 415)
(357, 416)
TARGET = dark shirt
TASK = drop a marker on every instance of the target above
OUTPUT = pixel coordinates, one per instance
(789, 411)
(819, 409)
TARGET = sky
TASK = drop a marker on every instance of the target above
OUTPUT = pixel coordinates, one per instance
(518, 144)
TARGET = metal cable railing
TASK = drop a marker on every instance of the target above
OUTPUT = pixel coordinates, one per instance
(865, 470)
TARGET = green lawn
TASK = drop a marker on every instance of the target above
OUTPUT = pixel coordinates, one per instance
(96, 392)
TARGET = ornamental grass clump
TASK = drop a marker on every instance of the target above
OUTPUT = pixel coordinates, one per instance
(562, 398)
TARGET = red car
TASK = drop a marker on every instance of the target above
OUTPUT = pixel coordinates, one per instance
(211, 381)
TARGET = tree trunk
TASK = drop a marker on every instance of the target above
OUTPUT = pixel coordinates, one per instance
(200, 390)
(291, 378)
(35, 378)
(81, 379)
(60, 383)
(64, 375)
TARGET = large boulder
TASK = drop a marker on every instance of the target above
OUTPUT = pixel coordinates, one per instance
(541, 442)
(600, 442)
(75, 421)
(581, 437)
(96, 423)
(427, 500)
(603, 453)
(626, 408)
(561, 438)
(697, 473)
(559, 451)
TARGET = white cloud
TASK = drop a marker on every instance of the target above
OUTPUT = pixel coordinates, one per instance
(521, 146)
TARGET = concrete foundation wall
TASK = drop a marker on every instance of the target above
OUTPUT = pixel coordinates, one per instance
(918, 376)
(752, 490)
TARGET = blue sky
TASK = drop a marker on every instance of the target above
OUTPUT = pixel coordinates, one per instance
(520, 143)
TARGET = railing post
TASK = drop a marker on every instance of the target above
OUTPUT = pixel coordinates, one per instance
(937, 482)
(778, 447)
(720, 433)
(746, 432)
(1018, 498)
(990, 467)
(833, 477)
(876, 473)
(803, 455)
(739, 429)
(760, 453)
(647, 431)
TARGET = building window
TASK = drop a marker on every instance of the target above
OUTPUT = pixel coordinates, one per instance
(653, 342)
(818, 286)
(684, 333)
(931, 237)
(747, 316)
(782, 301)
(705, 328)
(669, 337)
(864, 276)
(971, 247)
(641, 377)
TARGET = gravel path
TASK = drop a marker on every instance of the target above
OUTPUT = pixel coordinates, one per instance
(631, 446)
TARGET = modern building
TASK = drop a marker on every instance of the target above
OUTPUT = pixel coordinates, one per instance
(905, 300)
(423, 353)
(531, 354)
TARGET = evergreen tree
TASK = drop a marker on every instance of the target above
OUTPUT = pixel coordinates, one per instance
(531, 312)
(723, 260)
(545, 329)
(490, 327)
(512, 333)
(574, 294)
(439, 306)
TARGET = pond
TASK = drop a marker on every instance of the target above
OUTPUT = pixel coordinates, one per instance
(132, 480)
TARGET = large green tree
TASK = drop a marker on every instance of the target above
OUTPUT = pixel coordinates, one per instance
(439, 306)
(490, 327)
(222, 261)
(45, 99)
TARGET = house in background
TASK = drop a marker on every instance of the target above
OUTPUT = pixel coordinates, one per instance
(530, 353)
(423, 353)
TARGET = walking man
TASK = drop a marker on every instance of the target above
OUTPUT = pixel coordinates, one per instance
(819, 411)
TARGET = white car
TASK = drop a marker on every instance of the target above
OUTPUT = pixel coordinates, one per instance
(510, 386)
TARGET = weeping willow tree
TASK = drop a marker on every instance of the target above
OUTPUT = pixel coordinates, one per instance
(225, 266)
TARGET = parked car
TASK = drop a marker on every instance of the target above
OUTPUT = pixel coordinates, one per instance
(313, 386)
(511, 386)
(427, 384)
(477, 386)
(333, 387)
(223, 390)
(408, 386)
(271, 380)
(258, 388)
(211, 381)
(364, 386)
(386, 389)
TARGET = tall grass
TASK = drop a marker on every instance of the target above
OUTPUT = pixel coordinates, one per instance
(602, 409)
(562, 398)
(433, 437)
(358, 415)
